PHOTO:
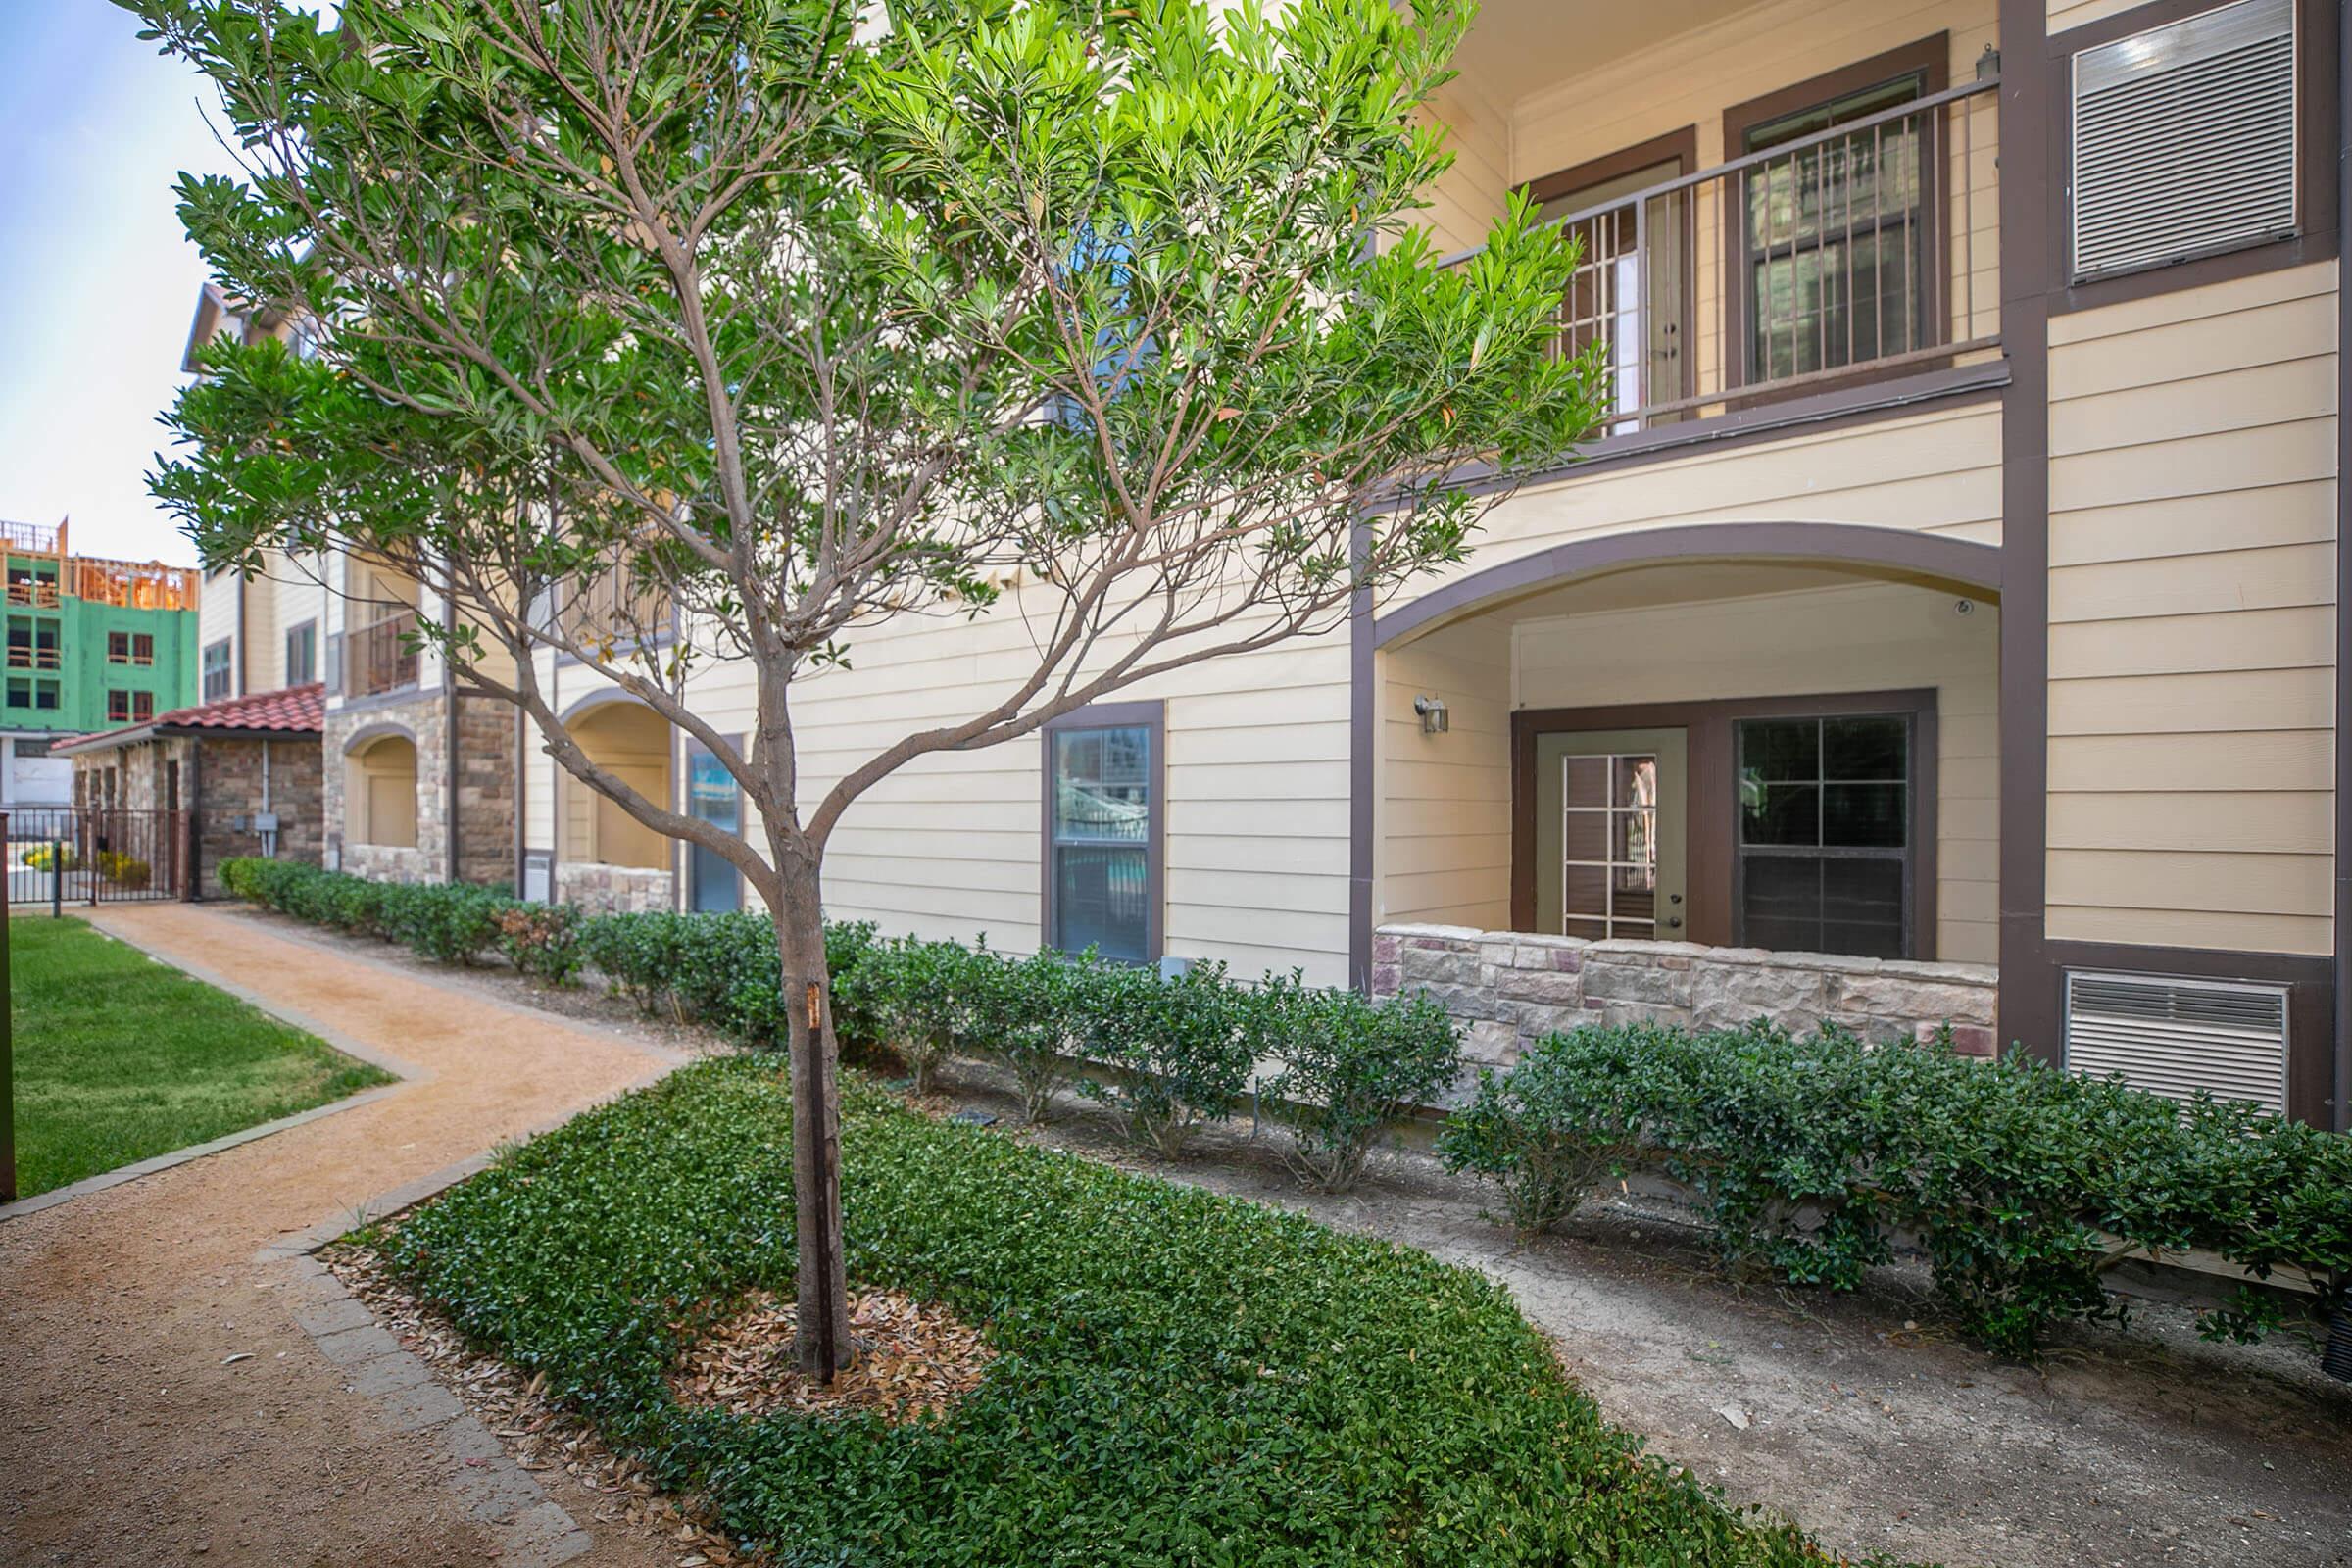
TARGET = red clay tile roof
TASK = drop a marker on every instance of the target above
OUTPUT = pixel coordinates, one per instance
(294, 710)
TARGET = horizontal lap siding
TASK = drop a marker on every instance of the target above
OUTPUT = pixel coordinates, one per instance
(1939, 472)
(2192, 617)
(950, 845)
(1442, 819)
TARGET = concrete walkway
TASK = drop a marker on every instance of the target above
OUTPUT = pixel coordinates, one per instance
(158, 1402)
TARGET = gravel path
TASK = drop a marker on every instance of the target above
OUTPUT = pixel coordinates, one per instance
(159, 1403)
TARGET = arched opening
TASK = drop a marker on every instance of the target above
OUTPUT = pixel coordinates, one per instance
(379, 791)
(630, 741)
(1653, 738)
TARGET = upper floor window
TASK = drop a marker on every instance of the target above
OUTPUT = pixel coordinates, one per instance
(130, 647)
(301, 654)
(217, 675)
(1103, 832)
(25, 690)
(129, 708)
(32, 642)
(2185, 140)
(1834, 248)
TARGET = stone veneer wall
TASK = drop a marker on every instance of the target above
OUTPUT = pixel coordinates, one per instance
(486, 787)
(613, 889)
(1513, 988)
(225, 782)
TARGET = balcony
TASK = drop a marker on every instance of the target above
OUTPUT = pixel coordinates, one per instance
(1782, 209)
(381, 656)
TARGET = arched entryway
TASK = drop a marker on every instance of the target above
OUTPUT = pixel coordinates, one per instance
(605, 858)
(380, 788)
(1769, 740)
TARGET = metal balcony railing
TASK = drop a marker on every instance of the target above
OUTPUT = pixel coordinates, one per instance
(1869, 247)
(381, 656)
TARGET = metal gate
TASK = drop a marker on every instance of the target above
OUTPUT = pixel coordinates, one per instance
(62, 854)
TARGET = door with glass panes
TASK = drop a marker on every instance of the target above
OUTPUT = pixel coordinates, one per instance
(1610, 816)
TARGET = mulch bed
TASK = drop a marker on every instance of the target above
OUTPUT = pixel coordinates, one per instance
(914, 1359)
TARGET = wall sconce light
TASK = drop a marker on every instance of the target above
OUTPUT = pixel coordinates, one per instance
(1435, 720)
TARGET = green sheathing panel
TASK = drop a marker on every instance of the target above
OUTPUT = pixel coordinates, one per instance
(85, 675)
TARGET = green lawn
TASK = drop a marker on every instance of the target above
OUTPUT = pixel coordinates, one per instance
(120, 1057)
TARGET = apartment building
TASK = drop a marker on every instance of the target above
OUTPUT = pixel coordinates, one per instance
(1941, 632)
(91, 642)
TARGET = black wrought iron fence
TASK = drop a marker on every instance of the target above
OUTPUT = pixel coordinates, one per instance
(70, 854)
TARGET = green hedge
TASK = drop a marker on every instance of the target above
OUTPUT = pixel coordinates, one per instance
(1167, 1052)
(1810, 1156)
(1227, 1384)
(1811, 1160)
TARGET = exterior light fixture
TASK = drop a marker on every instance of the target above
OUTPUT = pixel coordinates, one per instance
(1434, 719)
(1988, 64)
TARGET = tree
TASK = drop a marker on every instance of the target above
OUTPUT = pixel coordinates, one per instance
(783, 322)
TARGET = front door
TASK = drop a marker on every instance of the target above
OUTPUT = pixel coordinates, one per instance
(1609, 824)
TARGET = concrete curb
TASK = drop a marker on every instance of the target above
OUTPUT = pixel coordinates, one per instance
(531, 1530)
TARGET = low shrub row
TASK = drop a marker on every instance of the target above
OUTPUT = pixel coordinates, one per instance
(1167, 1054)
(1811, 1160)
(2023, 1184)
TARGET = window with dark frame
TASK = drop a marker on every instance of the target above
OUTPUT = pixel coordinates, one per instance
(713, 884)
(1099, 843)
(217, 673)
(301, 654)
(1835, 238)
(129, 708)
(130, 647)
(1825, 851)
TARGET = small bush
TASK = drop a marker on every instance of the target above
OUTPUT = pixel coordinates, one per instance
(448, 922)
(124, 869)
(540, 940)
(2021, 1184)
(1350, 1068)
(1182, 1049)
(1548, 1134)
(912, 996)
(1029, 1014)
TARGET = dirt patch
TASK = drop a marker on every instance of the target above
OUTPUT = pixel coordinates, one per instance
(915, 1360)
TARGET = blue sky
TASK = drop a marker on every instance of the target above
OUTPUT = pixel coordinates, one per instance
(99, 279)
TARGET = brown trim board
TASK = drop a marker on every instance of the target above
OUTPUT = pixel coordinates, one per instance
(2341, 1091)
(1961, 561)
(1709, 847)
(2027, 1000)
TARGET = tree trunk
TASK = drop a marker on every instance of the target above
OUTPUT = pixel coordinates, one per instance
(823, 1332)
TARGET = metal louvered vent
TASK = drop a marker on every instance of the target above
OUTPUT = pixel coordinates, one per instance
(2185, 138)
(2175, 1037)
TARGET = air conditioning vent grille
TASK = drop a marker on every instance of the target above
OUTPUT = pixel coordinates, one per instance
(2174, 1037)
(2185, 138)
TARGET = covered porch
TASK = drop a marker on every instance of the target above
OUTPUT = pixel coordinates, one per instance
(1697, 776)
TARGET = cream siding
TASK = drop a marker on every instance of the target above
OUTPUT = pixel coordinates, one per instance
(1938, 472)
(2066, 15)
(2193, 609)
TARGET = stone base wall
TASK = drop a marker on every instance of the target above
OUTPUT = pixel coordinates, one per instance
(613, 889)
(485, 781)
(1510, 989)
